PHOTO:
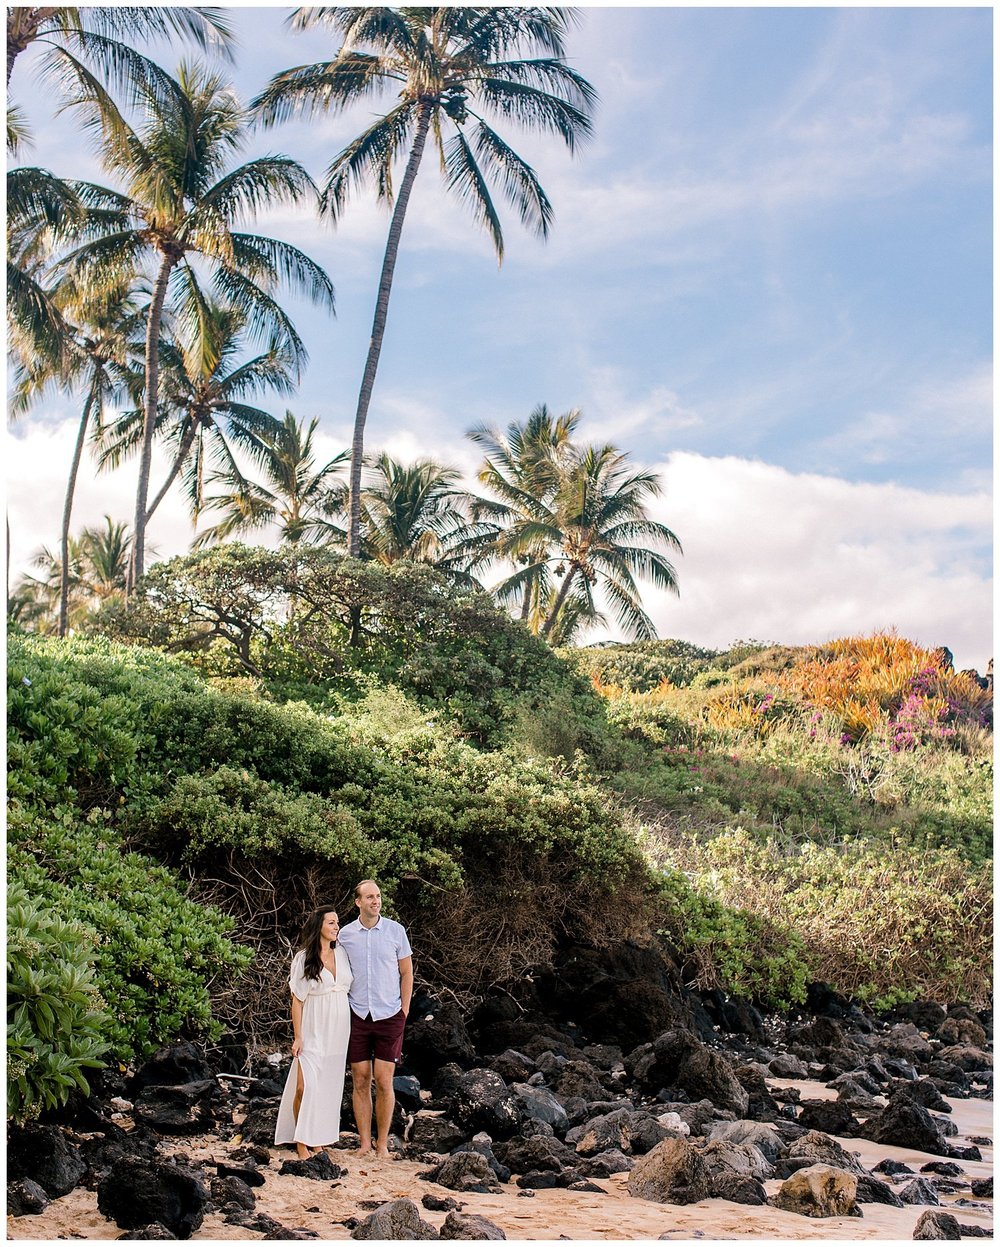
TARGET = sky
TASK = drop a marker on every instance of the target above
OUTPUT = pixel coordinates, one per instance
(769, 279)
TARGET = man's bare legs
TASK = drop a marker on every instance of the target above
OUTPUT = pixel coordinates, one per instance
(361, 1098)
(362, 1073)
(385, 1103)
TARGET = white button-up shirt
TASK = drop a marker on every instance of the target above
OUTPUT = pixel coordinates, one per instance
(375, 954)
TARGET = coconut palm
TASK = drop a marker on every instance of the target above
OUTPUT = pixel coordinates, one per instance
(181, 200)
(41, 209)
(205, 378)
(301, 498)
(98, 563)
(415, 512)
(448, 69)
(607, 539)
(101, 360)
(105, 37)
(523, 470)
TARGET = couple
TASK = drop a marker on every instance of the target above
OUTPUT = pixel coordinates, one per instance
(351, 992)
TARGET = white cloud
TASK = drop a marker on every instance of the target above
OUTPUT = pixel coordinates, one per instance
(801, 558)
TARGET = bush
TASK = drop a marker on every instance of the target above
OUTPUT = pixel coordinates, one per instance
(876, 922)
(311, 624)
(56, 1019)
(156, 953)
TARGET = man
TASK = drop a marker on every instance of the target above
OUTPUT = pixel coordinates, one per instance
(382, 963)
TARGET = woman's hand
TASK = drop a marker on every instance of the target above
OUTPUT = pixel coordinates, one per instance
(296, 1047)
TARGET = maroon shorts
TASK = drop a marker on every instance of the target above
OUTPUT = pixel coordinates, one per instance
(382, 1041)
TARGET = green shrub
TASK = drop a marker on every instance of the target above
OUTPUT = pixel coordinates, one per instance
(56, 1019)
(731, 947)
(155, 953)
(876, 921)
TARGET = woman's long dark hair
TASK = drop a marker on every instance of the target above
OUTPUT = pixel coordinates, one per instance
(309, 940)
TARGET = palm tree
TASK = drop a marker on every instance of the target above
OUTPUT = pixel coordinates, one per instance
(41, 209)
(203, 384)
(103, 348)
(107, 35)
(299, 497)
(98, 562)
(600, 512)
(523, 470)
(416, 512)
(180, 200)
(446, 68)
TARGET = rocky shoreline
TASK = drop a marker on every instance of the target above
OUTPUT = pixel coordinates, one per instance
(655, 1108)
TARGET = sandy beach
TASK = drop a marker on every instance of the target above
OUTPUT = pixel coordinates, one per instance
(322, 1207)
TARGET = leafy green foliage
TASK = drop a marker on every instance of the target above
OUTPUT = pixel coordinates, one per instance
(311, 624)
(56, 1020)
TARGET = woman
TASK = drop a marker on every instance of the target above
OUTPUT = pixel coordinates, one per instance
(309, 1114)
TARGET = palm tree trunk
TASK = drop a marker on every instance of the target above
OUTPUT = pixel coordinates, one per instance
(182, 454)
(22, 26)
(378, 326)
(81, 437)
(557, 606)
(136, 564)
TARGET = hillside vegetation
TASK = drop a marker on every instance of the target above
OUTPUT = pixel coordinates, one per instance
(173, 816)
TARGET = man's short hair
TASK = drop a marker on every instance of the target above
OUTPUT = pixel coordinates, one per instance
(358, 887)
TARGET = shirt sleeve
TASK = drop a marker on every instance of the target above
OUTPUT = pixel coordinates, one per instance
(297, 981)
(403, 948)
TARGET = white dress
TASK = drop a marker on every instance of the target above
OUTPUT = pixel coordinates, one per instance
(326, 1029)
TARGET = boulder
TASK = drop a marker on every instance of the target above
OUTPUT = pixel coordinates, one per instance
(829, 1117)
(319, 1167)
(738, 1189)
(232, 1191)
(937, 1225)
(919, 1191)
(624, 994)
(259, 1123)
(625, 1129)
(464, 1171)
(983, 1189)
(173, 1067)
(872, 1190)
(540, 1104)
(786, 1065)
(431, 1131)
(406, 1089)
(483, 1101)
(43, 1154)
(180, 1109)
(961, 1031)
(902, 1123)
(481, 1144)
(905, 1040)
(678, 1059)
(969, 1058)
(527, 1155)
(393, 1221)
(819, 1191)
(468, 1226)
(25, 1198)
(578, 1078)
(672, 1173)
(136, 1192)
(743, 1159)
(604, 1164)
(820, 1149)
(512, 1066)
(923, 1092)
(763, 1137)
(436, 1038)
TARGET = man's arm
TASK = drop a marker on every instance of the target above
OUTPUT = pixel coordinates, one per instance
(406, 982)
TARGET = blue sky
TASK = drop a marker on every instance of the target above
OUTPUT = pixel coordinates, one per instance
(769, 277)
